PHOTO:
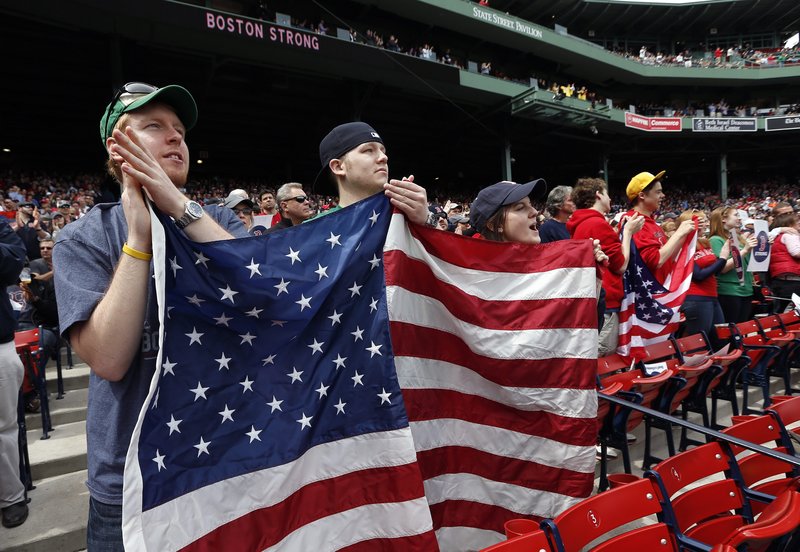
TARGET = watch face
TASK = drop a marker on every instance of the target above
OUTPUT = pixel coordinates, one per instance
(194, 209)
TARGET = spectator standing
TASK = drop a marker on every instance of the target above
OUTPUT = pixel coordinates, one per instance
(734, 296)
(560, 207)
(784, 263)
(29, 228)
(701, 306)
(657, 251)
(106, 295)
(12, 491)
(591, 198)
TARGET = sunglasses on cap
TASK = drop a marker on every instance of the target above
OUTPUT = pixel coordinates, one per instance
(244, 211)
(131, 88)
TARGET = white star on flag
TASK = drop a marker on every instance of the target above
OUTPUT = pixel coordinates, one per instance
(294, 255)
(173, 424)
(340, 407)
(173, 264)
(202, 447)
(358, 334)
(194, 337)
(247, 384)
(357, 379)
(168, 366)
(199, 391)
(247, 338)
(305, 421)
(316, 347)
(334, 240)
(304, 302)
(335, 318)
(374, 349)
(355, 289)
(223, 362)
(195, 300)
(375, 262)
(201, 259)
(275, 404)
(254, 434)
(295, 375)
(227, 414)
(384, 396)
(321, 271)
(283, 287)
(223, 320)
(339, 362)
(227, 293)
(159, 459)
(253, 267)
(322, 390)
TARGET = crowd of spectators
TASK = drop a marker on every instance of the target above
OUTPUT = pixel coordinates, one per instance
(61, 198)
(730, 57)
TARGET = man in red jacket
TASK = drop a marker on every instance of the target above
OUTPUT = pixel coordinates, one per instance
(590, 196)
(657, 252)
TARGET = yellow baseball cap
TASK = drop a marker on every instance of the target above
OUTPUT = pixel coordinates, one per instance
(640, 182)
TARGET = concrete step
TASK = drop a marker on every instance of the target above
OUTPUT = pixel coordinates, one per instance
(64, 452)
(71, 408)
(59, 508)
(74, 378)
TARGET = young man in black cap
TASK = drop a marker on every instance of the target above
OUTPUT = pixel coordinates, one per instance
(355, 155)
(106, 296)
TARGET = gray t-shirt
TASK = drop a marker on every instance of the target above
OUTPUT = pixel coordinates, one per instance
(86, 254)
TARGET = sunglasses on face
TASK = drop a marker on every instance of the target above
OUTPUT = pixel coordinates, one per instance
(298, 199)
(245, 211)
(137, 88)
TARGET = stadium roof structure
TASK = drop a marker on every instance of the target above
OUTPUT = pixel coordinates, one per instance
(692, 19)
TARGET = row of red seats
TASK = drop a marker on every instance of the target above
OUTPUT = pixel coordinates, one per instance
(690, 373)
(717, 497)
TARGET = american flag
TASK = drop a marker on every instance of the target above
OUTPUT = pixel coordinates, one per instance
(495, 347)
(275, 421)
(649, 311)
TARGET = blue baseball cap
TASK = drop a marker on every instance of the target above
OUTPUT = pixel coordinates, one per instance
(491, 198)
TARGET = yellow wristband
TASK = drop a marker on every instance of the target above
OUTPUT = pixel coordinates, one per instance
(135, 253)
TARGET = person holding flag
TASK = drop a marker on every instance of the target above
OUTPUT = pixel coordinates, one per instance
(657, 251)
(734, 283)
(104, 285)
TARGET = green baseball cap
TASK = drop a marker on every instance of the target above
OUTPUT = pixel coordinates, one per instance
(134, 95)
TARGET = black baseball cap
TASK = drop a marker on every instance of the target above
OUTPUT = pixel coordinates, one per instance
(344, 138)
(491, 198)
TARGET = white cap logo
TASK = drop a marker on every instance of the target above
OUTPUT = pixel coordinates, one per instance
(374, 134)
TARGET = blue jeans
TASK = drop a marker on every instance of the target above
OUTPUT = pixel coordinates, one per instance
(104, 533)
(701, 315)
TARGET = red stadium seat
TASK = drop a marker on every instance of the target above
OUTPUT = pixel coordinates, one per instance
(682, 383)
(718, 383)
(773, 329)
(637, 388)
(758, 471)
(593, 518)
(703, 512)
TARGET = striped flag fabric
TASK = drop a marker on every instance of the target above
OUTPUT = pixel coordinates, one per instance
(275, 421)
(495, 348)
(650, 311)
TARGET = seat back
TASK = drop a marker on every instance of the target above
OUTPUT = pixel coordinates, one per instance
(593, 518)
(28, 339)
(788, 411)
(778, 520)
(702, 510)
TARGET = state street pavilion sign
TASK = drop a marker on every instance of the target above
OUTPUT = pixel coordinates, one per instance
(782, 123)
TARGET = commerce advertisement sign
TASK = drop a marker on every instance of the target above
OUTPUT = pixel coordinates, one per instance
(724, 124)
(653, 124)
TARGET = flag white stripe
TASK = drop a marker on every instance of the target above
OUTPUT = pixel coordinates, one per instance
(467, 539)
(421, 310)
(445, 432)
(508, 286)
(182, 520)
(388, 520)
(421, 373)
(474, 488)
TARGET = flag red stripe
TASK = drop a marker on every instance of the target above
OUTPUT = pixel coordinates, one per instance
(503, 257)
(415, 341)
(416, 276)
(513, 471)
(431, 404)
(465, 513)
(265, 527)
(416, 543)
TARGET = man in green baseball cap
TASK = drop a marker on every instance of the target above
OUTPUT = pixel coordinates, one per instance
(106, 297)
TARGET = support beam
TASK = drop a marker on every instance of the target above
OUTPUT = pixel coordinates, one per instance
(723, 176)
(506, 161)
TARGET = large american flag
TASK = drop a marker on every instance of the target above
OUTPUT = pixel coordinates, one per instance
(495, 347)
(275, 420)
(649, 311)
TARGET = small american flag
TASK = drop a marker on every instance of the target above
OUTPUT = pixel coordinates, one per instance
(276, 421)
(649, 311)
(495, 347)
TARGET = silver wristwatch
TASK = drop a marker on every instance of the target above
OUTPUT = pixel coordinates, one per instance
(192, 211)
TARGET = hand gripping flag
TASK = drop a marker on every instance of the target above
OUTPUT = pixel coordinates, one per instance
(495, 347)
(649, 311)
(275, 421)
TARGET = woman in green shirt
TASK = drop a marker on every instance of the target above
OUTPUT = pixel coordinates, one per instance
(735, 296)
